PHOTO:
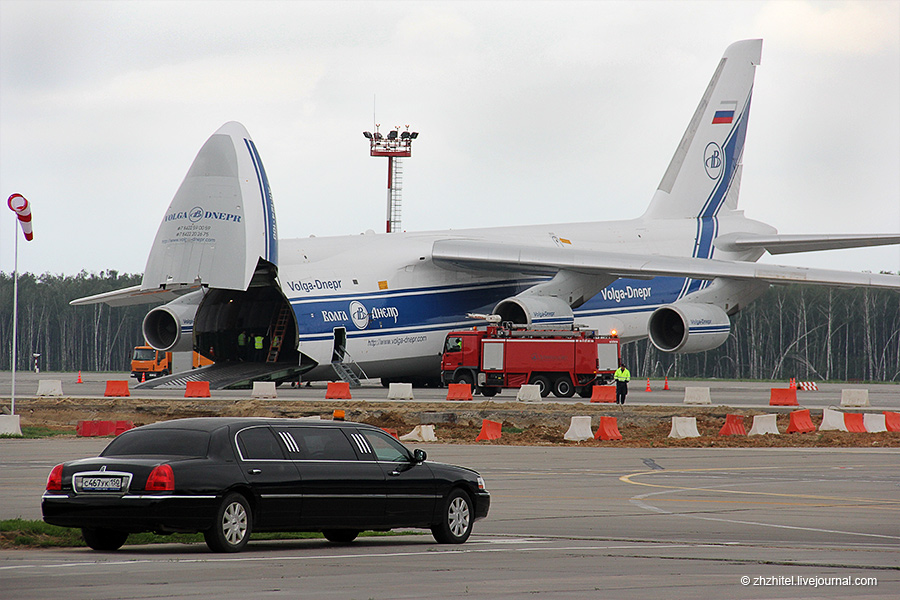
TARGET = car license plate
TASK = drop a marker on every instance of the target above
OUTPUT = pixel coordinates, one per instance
(101, 484)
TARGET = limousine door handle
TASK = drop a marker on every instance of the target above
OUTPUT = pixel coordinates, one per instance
(395, 473)
(255, 471)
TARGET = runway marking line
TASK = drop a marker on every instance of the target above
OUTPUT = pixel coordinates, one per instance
(628, 479)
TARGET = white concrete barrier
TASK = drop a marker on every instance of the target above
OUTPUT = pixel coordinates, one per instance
(875, 423)
(421, 433)
(49, 387)
(400, 391)
(529, 393)
(696, 395)
(9, 425)
(763, 424)
(263, 389)
(579, 430)
(684, 427)
(855, 398)
(832, 420)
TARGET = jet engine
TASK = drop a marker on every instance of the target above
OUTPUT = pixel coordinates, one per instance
(535, 310)
(170, 327)
(688, 327)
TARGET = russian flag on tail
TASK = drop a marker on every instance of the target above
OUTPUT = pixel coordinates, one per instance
(725, 112)
(19, 205)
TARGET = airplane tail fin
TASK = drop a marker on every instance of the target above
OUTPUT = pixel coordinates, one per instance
(221, 221)
(704, 174)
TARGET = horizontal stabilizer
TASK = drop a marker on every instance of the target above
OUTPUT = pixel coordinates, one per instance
(131, 296)
(471, 254)
(786, 244)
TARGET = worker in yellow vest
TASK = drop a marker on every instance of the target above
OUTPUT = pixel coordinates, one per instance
(258, 347)
(622, 377)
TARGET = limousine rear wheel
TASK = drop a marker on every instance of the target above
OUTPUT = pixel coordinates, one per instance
(457, 518)
(99, 538)
(340, 536)
(232, 527)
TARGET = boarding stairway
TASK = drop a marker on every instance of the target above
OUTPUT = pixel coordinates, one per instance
(226, 376)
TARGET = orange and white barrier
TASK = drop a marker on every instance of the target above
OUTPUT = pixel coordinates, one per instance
(530, 392)
(490, 430)
(684, 427)
(892, 420)
(579, 430)
(400, 391)
(696, 395)
(608, 429)
(801, 422)
(783, 397)
(734, 425)
(874, 423)
(264, 389)
(116, 389)
(603, 393)
(808, 386)
(855, 422)
(763, 424)
(855, 397)
(459, 391)
(421, 433)
(338, 390)
(196, 389)
(832, 420)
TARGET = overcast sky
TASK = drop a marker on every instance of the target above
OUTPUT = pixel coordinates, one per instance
(529, 112)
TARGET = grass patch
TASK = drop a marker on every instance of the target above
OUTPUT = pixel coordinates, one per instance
(34, 433)
(23, 533)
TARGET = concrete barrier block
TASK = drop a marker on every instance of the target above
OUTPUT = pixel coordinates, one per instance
(579, 430)
(529, 393)
(400, 391)
(421, 433)
(49, 387)
(763, 424)
(855, 397)
(696, 395)
(832, 420)
(10, 425)
(684, 427)
(263, 389)
(875, 423)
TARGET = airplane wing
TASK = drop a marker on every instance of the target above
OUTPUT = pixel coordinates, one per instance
(473, 254)
(135, 295)
(786, 244)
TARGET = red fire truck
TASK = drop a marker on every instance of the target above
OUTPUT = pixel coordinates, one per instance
(563, 361)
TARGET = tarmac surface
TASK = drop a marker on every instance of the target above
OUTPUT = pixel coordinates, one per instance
(565, 522)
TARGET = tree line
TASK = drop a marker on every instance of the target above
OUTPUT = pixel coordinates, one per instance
(808, 332)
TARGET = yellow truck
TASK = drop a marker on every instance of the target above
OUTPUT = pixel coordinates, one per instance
(147, 362)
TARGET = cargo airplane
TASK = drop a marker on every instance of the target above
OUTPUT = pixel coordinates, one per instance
(382, 304)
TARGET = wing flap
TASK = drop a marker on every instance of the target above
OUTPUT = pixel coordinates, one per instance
(131, 296)
(786, 244)
(480, 255)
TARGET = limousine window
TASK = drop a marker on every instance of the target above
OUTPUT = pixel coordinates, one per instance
(316, 443)
(259, 443)
(386, 448)
(176, 442)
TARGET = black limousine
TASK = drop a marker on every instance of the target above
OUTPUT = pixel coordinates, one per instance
(227, 477)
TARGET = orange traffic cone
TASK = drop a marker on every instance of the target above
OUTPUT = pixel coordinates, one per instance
(793, 383)
(143, 377)
(79, 378)
(666, 387)
(648, 385)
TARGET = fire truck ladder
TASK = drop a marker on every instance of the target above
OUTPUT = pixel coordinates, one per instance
(278, 330)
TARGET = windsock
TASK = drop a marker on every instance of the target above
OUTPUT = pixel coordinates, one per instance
(20, 206)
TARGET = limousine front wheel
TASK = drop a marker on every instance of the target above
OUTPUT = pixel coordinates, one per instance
(456, 519)
(232, 527)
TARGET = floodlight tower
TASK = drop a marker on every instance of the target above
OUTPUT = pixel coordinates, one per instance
(395, 146)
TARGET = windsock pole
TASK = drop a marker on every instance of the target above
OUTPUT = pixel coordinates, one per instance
(19, 205)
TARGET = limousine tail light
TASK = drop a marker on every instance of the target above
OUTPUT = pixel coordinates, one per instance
(480, 483)
(54, 480)
(161, 479)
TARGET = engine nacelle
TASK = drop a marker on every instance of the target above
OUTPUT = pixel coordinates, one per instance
(535, 310)
(688, 327)
(170, 327)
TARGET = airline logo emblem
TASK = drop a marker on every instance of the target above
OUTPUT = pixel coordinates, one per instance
(359, 315)
(197, 213)
(713, 161)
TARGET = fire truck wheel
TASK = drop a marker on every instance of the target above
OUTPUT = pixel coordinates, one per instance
(489, 391)
(563, 388)
(464, 377)
(543, 383)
